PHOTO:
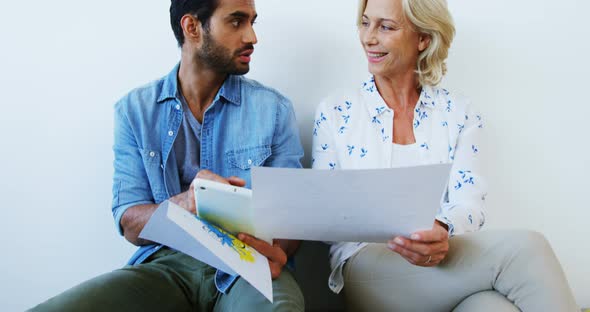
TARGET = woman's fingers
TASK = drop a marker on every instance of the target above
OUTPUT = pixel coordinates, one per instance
(416, 258)
(424, 249)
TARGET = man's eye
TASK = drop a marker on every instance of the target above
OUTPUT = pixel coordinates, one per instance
(236, 23)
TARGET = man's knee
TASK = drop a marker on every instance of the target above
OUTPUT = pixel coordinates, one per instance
(126, 289)
(287, 295)
(86, 296)
(243, 297)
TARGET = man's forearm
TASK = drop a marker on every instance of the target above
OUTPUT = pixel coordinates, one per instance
(136, 217)
(133, 221)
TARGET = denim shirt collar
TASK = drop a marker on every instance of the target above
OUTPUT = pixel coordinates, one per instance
(230, 90)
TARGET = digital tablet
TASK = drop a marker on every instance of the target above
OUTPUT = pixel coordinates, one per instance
(224, 205)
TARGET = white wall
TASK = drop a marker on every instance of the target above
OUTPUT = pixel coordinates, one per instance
(64, 63)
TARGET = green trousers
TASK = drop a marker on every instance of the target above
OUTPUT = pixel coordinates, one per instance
(172, 281)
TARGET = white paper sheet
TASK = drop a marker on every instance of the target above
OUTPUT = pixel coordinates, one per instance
(243, 259)
(342, 205)
(162, 230)
(175, 227)
(346, 205)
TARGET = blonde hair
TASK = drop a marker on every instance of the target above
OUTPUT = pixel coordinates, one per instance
(432, 18)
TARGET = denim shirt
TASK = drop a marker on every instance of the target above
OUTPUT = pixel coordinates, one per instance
(247, 125)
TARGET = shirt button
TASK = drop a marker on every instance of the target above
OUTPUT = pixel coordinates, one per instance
(249, 161)
(177, 106)
(152, 154)
(170, 133)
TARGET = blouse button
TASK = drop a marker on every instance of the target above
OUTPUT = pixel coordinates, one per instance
(170, 133)
(249, 162)
(152, 154)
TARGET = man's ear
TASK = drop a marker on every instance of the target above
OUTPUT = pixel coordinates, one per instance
(424, 42)
(191, 27)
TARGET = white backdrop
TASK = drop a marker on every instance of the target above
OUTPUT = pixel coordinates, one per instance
(64, 63)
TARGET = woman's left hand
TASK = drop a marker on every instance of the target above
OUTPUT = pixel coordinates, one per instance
(425, 248)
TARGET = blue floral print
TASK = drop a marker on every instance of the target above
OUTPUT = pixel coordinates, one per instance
(346, 118)
(447, 131)
(354, 130)
(350, 149)
(461, 127)
(449, 107)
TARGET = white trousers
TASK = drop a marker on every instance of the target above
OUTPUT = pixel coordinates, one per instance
(485, 271)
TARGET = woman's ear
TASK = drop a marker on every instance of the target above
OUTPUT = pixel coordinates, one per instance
(191, 27)
(424, 42)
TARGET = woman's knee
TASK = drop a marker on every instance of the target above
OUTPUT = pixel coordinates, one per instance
(490, 300)
(530, 243)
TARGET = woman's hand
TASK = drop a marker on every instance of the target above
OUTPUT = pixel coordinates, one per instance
(425, 248)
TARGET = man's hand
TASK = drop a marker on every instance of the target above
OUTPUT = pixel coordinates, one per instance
(277, 258)
(186, 200)
(136, 217)
(425, 248)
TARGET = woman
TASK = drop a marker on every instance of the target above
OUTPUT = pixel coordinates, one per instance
(399, 117)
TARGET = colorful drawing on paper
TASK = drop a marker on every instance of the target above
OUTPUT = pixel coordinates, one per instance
(231, 241)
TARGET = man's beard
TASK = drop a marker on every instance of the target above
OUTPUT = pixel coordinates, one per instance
(220, 58)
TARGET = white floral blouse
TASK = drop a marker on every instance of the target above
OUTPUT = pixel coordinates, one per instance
(355, 131)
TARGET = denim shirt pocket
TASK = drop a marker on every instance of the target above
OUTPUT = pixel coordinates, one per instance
(244, 159)
(152, 161)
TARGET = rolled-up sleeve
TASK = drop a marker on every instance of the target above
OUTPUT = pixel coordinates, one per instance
(130, 182)
(462, 208)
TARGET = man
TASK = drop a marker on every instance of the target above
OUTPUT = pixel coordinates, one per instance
(202, 119)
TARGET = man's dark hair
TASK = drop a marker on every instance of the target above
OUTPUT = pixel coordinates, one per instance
(202, 9)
